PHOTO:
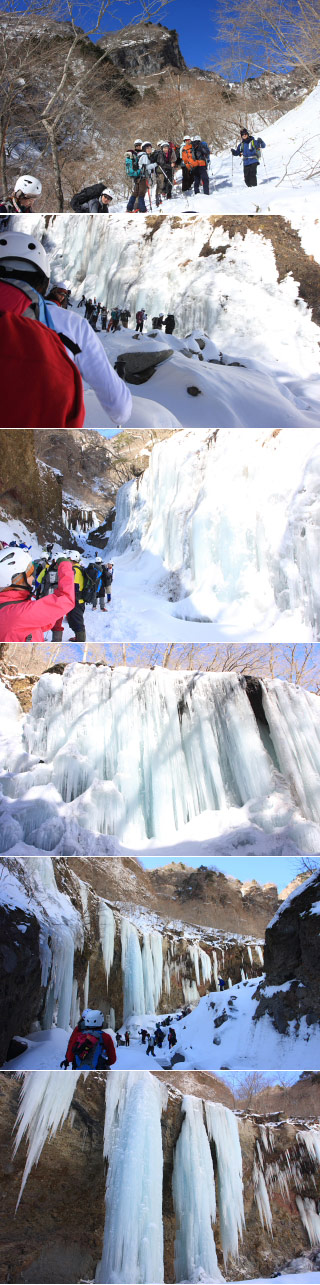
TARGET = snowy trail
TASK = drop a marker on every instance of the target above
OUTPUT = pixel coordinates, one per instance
(238, 1042)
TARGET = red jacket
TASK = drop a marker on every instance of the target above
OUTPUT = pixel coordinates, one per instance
(22, 619)
(106, 1040)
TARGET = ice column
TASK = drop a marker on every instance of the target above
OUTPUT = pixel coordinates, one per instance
(107, 935)
(310, 1218)
(45, 1100)
(133, 1236)
(152, 970)
(133, 988)
(223, 1129)
(194, 1199)
(261, 1196)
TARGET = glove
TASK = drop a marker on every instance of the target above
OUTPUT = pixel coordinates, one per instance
(233, 151)
(64, 1063)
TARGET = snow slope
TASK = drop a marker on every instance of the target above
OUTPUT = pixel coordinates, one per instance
(123, 760)
(232, 293)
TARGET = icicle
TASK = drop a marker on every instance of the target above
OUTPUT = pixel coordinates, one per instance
(190, 991)
(152, 970)
(167, 979)
(215, 970)
(133, 1236)
(86, 986)
(45, 1100)
(261, 1197)
(309, 1218)
(230, 983)
(194, 1199)
(260, 954)
(311, 1140)
(107, 935)
(133, 988)
(223, 1129)
(249, 953)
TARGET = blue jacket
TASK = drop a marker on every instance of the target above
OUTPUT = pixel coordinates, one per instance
(249, 149)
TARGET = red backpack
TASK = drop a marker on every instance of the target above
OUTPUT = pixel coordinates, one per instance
(41, 387)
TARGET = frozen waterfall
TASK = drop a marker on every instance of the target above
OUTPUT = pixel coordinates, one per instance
(45, 1100)
(142, 970)
(133, 1236)
(107, 930)
(222, 1128)
(235, 518)
(142, 754)
(194, 1199)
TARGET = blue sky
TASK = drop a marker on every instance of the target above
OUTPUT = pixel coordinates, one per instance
(279, 870)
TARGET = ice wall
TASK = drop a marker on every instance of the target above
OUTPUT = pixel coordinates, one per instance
(61, 932)
(236, 517)
(107, 930)
(142, 754)
(45, 1100)
(223, 1130)
(133, 1235)
(194, 1199)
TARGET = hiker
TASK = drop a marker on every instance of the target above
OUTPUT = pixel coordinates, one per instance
(22, 618)
(159, 1038)
(171, 1037)
(222, 984)
(88, 309)
(144, 1034)
(201, 152)
(23, 196)
(82, 302)
(93, 200)
(75, 617)
(124, 317)
(194, 161)
(58, 294)
(139, 167)
(127, 1039)
(151, 1044)
(60, 351)
(95, 310)
(249, 148)
(164, 158)
(141, 317)
(89, 1045)
(169, 323)
(186, 176)
(104, 317)
(114, 320)
(102, 577)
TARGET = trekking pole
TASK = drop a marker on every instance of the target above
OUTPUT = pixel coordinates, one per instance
(264, 164)
(231, 170)
(149, 194)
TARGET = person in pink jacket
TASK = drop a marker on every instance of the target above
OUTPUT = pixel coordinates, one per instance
(22, 618)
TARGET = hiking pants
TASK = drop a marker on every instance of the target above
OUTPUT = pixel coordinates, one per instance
(138, 196)
(75, 619)
(201, 177)
(250, 175)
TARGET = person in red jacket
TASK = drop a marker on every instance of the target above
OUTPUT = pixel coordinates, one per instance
(22, 618)
(89, 1045)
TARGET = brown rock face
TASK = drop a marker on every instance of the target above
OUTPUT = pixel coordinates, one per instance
(27, 491)
(292, 955)
(21, 993)
(93, 467)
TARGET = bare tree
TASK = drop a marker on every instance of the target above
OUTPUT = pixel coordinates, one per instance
(262, 36)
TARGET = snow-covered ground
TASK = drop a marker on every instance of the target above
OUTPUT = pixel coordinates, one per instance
(224, 291)
(133, 760)
(238, 1042)
(288, 175)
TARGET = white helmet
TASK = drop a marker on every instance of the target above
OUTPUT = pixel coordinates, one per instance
(187, 138)
(73, 555)
(28, 185)
(147, 144)
(107, 191)
(92, 1017)
(160, 142)
(165, 143)
(138, 142)
(19, 248)
(13, 562)
(98, 559)
(196, 138)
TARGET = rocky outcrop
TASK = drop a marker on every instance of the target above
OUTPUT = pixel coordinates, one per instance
(21, 992)
(292, 955)
(28, 490)
(57, 1232)
(92, 467)
(144, 50)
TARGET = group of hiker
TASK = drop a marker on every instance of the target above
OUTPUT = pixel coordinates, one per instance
(110, 320)
(36, 595)
(146, 165)
(62, 347)
(92, 1047)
